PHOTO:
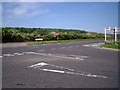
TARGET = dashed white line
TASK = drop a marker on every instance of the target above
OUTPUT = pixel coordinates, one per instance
(20, 54)
(53, 55)
(8, 55)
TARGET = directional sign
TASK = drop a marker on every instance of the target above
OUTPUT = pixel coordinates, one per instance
(57, 33)
(108, 28)
(115, 31)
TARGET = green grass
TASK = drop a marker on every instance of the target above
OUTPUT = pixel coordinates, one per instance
(61, 41)
(39, 43)
(112, 45)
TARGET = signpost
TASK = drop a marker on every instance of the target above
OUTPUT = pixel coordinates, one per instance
(107, 28)
(115, 34)
(39, 39)
(115, 31)
(57, 33)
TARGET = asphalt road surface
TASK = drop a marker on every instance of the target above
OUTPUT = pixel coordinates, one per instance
(66, 65)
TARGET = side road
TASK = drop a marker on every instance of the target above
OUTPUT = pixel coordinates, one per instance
(99, 45)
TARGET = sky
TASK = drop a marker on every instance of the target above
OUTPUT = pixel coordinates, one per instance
(60, 0)
(89, 16)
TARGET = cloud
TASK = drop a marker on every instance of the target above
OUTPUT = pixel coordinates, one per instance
(24, 9)
(60, 0)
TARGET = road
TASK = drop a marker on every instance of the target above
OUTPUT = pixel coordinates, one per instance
(65, 65)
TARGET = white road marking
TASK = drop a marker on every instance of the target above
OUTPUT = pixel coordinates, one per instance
(43, 54)
(18, 53)
(53, 55)
(8, 55)
(1, 56)
(73, 55)
(49, 54)
(29, 52)
(70, 71)
(65, 57)
(50, 70)
(38, 65)
(78, 58)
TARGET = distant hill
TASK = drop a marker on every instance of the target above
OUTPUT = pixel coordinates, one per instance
(17, 34)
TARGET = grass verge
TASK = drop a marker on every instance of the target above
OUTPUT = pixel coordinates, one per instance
(112, 45)
(61, 41)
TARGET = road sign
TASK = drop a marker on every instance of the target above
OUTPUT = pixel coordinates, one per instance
(39, 39)
(57, 33)
(108, 28)
(115, 31)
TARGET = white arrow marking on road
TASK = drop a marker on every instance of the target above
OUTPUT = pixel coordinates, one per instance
(1, 56)
(50, 70)
(70, 71)
(38, 65)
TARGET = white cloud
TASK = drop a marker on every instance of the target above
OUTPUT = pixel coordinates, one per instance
(25, 9)
(60, 0)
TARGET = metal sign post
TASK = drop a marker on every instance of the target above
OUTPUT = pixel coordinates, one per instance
(115, 34)
(57, 33)
(115, 31)
(105, 35)
(107, 28)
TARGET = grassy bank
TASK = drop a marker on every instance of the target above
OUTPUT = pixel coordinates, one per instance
(61, 41)
(112, 45)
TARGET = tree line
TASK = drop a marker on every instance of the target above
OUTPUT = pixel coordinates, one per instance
(16, 34)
